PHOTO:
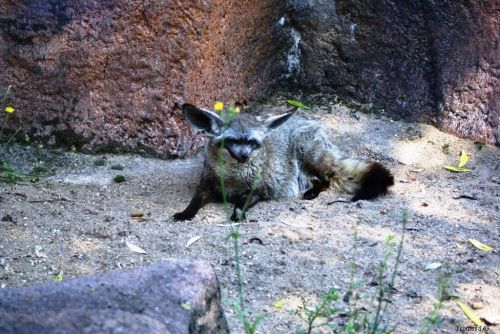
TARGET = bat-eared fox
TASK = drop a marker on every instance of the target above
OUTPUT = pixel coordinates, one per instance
(279, 157)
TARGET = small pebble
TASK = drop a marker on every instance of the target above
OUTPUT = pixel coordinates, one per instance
(477, 306)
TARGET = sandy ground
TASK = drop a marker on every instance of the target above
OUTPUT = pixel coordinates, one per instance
(77, 220)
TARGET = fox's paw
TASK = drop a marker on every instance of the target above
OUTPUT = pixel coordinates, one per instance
(181, 216)
(238, 215)
(317, 187)
(311, 194)
(374, 182)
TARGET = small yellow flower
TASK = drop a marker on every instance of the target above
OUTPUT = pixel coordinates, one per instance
(237, 110)
(10, 110)
(219, 106)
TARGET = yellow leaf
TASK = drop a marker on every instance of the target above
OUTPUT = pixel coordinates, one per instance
(470, 314)
(59, 277)
(10, 110)
(237, 110)
(463, 159)
(218, 106)
(458, 169)
(480, 245)
(298, 104)
(279, 304)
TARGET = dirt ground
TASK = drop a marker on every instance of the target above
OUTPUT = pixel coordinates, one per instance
(76, 222)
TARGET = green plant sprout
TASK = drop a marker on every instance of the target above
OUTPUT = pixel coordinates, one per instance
(249, 325)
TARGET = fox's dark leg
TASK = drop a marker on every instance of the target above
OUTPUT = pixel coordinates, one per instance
(318, 186)
(201, 197)
(319, 158)
(324, 160)
(240, 208)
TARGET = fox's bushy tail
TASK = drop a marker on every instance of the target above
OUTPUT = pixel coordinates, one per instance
(366, 180)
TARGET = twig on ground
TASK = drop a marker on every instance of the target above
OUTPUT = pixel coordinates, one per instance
(17, 194)
(472, 198)
(338, 201)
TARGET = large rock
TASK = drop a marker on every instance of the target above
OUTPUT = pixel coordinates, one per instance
(107, 74)
(434, 61)
(170, 297)
(111, 74)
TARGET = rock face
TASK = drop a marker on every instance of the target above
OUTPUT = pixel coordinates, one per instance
(435, 61)
(169, 297)
(109, 74)
(104, 74)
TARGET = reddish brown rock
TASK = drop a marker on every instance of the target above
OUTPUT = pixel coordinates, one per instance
(104, 74)
(108, 74)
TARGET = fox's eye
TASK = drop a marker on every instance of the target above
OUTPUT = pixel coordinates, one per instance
(229, 141)
(255, 144)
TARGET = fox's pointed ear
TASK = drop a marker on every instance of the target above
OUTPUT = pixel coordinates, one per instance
(203, 120)
(275, 121)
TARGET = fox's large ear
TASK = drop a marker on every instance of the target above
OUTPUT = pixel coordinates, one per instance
(203, 120)
(275, 121)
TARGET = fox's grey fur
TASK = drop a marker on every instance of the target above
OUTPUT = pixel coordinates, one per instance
(277, 158)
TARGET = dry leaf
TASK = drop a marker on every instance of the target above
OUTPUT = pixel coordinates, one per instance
(480, 245)
(227, 225)
(192, 240)
(461, 163)
(298, 104)
(463, 159)
(135, 249)
(433, 266)
(279, 304)
(409, 176)
(38, 252)
(59, 277)
(137, 214)
(470, 314)
(458, 169)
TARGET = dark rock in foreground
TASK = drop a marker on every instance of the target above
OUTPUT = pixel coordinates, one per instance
(168, 297)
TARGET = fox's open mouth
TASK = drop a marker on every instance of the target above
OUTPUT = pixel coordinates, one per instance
(241, 159)
(241, 156)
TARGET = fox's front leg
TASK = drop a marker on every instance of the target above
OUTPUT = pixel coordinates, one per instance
(244, 203)
(317, 187)
(201, 197)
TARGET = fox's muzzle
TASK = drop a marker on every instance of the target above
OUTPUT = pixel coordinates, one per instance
(240, 153)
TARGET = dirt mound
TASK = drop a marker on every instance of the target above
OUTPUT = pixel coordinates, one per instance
(77, 221)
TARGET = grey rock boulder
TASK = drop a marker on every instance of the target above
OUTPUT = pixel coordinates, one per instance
(178, 296)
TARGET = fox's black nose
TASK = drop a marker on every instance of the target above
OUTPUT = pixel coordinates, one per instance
(241, 154)
(244, 156)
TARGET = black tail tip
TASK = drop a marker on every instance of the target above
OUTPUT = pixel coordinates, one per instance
(374, 182)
